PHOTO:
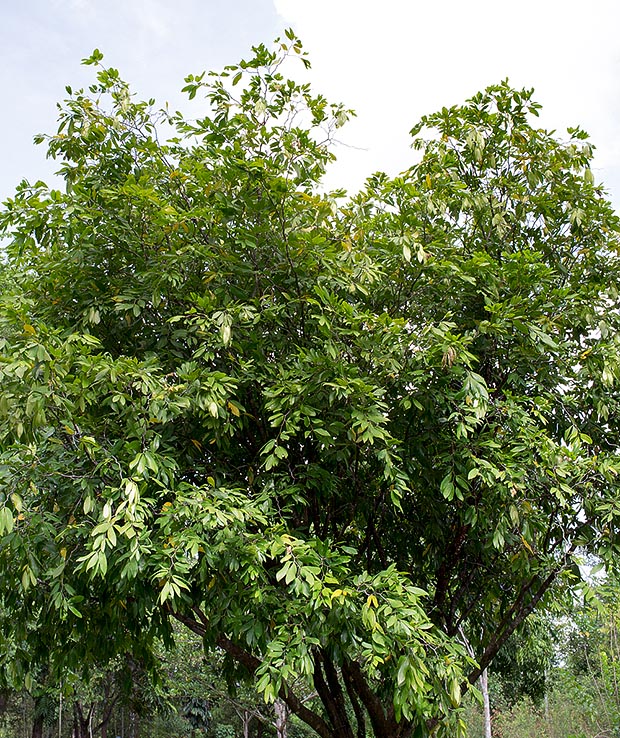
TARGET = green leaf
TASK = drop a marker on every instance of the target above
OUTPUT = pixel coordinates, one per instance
(7, 521)
(95, 58)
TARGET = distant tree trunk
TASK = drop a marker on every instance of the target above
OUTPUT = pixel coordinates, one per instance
(4, 701)
(245, 719)
(134, 724)
(281, 718)
(37, 725)
(110, 698)
(484, 688)
(81, 722)
(37, 719)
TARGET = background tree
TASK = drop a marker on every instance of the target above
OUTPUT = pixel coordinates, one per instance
(327, 439)
(590, 653)
(523, 666)
(581, 697)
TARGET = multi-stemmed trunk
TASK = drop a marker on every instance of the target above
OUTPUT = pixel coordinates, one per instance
(349, 704)
(83, 719)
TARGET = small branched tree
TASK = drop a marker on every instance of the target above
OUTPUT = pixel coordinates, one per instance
(327, 438)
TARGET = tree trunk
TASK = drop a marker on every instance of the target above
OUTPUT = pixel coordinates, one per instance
(108, 708)
(484, 688)
(246, 719)
(4, 701)
(281, 718)
(330, 682)
(135, 724)
(80, 721)
(37, 725)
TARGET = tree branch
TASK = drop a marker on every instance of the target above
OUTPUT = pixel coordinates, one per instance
(252, 663)
(510, 624)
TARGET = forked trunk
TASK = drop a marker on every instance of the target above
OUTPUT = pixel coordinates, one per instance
(80, 721)
(246, 718)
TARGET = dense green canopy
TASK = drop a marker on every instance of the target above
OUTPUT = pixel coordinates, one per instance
(336, 437)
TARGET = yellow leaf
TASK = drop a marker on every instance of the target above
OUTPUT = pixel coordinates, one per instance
(63, 553)
(527, 545)
(197, 444)
(29, 329)
(233, 409)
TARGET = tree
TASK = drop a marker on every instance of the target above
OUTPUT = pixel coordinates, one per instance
(110, 689)
(523, 666)
(328, 438)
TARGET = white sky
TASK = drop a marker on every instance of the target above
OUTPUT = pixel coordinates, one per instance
(392, 61)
